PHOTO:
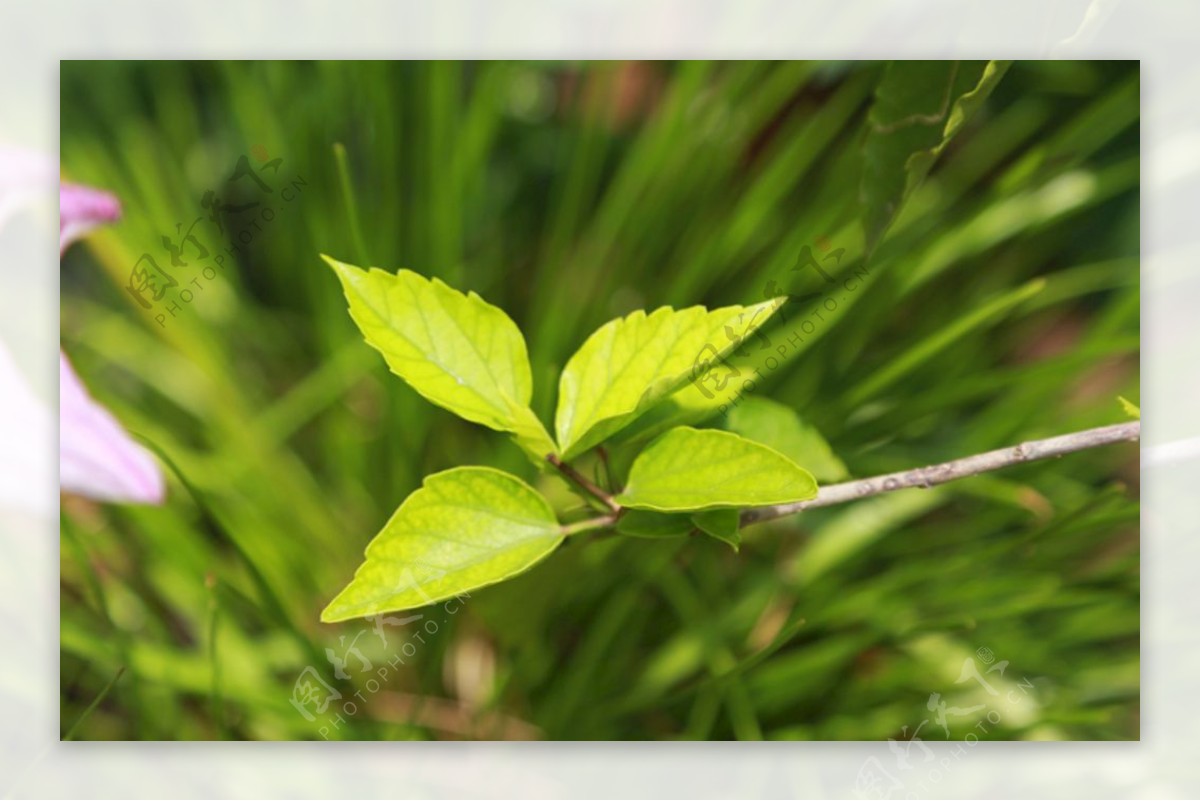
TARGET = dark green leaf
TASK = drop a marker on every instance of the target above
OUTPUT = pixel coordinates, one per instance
(640, 523)
(763, 420)
(722, 524)
(919, 106)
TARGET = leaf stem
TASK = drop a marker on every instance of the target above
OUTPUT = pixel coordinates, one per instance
(925, 477)
(591, 524)
(581, 481)
(602, 452)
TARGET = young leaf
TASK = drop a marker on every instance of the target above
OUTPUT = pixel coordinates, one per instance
(638, 523)
(778, 426)
(687, 469)
(463, 529)
(919, 106)
(690, 405)
(631, 363)
(722, 524)
(1130, 409)
(456, 350)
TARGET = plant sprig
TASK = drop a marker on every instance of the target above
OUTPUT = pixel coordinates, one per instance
(469, 527)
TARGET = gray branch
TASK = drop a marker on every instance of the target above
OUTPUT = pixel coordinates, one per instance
(925, 477)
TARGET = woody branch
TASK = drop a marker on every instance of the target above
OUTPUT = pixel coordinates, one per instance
(925, 477)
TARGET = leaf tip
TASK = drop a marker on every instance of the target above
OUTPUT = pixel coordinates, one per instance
(341, 609)
(345, 272)
(334, 613)
(1131, 409)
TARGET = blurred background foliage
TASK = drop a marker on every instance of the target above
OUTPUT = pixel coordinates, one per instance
(567, 194)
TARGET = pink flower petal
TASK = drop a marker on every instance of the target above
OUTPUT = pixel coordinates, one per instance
(80, 209)
(27, 431)
(23, 174)
(96, 457)
(26, 424)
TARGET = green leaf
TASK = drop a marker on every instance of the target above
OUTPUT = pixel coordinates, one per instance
(456, 350)
(778, 426)
(1130, 409)
(697, 401)
(639, 523)
(463, 529)
(723, 524)
(689, 405)
(919, 107)
(688, 469)
(631, 363)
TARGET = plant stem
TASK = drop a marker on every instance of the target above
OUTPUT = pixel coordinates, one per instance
(925, 477)
(70, 735)
(589, 525)
(602, 452)
(583, 483)
(360, 248)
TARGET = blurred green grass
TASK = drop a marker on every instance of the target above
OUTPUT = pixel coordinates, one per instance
(567, 194)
